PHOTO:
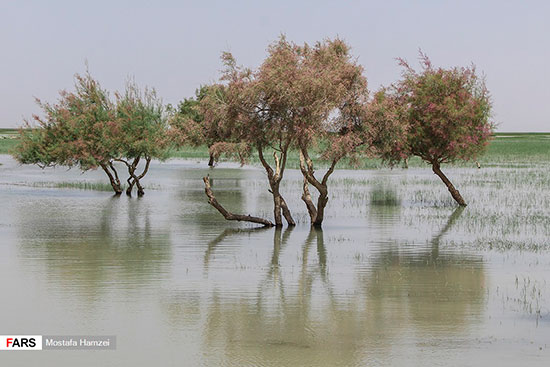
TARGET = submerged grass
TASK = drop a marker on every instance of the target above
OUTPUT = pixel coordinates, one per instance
(80, 185)
(509, 200)
(383, 196)
(84, 185)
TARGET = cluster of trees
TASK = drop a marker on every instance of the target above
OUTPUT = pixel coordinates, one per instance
(89, 130)
(310, 99)
(314, 100)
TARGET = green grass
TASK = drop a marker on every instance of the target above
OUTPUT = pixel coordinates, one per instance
(94, 186)
(8, 140)
(505, 150)
(522, 148)
(85, 185)
(382, 196)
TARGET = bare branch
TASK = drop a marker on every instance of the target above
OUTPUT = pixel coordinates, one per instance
(277, 166)
(228, 215)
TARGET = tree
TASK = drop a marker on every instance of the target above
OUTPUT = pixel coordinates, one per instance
(328, 96)
(256, 112)
(141, 132)
(186, 124)
(313, 99)
(447, 115)
(86, 129)
(76, 131)
(189, 126)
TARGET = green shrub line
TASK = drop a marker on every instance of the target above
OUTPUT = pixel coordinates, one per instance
(506, 149)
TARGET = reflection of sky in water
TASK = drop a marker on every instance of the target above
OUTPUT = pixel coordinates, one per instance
(396, 276)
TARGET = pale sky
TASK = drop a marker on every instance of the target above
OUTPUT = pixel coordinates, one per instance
(175, 46)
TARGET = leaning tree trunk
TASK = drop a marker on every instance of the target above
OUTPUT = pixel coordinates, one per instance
(454, 192)
(113, 177)
(228, 215)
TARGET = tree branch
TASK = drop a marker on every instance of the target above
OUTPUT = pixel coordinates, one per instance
(308, 171)
(228, 215)
(329, 171)
(277, 166)
(264, 162)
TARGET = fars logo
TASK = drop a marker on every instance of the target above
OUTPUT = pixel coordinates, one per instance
(20, 342)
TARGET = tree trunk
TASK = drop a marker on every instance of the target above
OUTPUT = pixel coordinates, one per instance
(316, 214)
(135, 180)
(113, 177)
(131, 170)
(286, 212)
(274, 178)
(277, 210)
(280, 206)
(130, 186)
(211, 160)
(306, 197)
(321, 204)
(140, 190)
(454, 192)
(228, 215)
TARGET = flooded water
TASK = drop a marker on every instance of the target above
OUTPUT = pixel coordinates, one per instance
(398, 275)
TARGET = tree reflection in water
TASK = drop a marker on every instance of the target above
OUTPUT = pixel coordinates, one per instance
(298, 313)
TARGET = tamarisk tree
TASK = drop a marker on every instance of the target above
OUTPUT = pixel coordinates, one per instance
(329, 93)
(141, 133)
(447, 115)
(189, 125)
(76, 131)
(257, 110)
(88, 130)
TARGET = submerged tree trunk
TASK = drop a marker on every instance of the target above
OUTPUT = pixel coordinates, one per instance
(135, 179)
(228, 215)
(316, 214)
(140, 189)
(113, 177)
(454, 192)
(280, 208)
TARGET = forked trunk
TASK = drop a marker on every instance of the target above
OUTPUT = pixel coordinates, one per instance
(316, 214)
(134, 179)
(454, 192)
(280, 208)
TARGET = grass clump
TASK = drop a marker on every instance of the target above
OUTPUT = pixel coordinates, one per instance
(381, 196)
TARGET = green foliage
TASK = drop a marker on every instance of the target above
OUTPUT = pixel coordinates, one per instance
(73, 132)
(196, 120)
(141, 124)
(85, 128)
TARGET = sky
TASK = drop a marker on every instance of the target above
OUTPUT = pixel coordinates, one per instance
(175, 46)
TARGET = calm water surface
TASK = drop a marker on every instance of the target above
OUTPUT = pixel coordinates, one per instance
(397, 276)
